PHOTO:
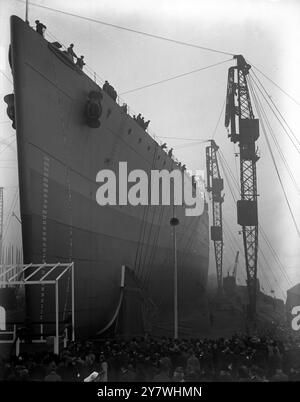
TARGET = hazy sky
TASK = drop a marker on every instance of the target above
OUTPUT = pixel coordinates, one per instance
(266, 32)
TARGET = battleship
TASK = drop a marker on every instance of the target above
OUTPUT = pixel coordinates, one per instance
(62, 144)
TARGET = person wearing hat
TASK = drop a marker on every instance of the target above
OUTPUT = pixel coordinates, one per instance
(71, 52)
(40, 28)
(106, 87)
(52, 376)
(80, 63)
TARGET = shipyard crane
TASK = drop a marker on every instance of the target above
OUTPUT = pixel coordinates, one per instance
(244, 129)
(215, 187)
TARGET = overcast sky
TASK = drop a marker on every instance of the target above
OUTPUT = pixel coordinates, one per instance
(266, 32)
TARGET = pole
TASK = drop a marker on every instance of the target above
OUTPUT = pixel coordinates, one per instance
(174, 222)
(26, 11)
(18, 347)
(56, 341)
(73, 304)
(175, 286)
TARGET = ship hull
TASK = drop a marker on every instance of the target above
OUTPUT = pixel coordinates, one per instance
(59, 157)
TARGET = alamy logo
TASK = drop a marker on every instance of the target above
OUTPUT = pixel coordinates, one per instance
(2, 319)
(296, 320)
(160, 187)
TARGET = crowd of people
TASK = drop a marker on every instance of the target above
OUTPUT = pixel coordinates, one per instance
(141, 121)
(240, 358)
(107, 87)
(72, 55)
(41, 29)
(110, 90)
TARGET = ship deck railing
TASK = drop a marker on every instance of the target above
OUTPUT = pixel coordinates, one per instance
(99, 80)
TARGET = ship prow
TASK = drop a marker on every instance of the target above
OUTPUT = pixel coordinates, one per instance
(59, 155)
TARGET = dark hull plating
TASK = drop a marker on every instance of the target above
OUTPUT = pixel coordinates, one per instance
(59, 157)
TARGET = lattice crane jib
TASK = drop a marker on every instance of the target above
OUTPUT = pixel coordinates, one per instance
(215, 187)
(244, 130)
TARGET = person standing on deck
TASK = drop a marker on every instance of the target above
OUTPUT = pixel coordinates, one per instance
(40, 28)
(71, 52)
(80, 63)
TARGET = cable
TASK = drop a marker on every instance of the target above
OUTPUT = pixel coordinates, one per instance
(277, 145)
(6, 138)
(2, 150)
(225, 167)
(273, 158)
(275, 256)
(12, 207)
(201, 141)
(222, 109)
(273, 103)
(235, 161)
(234, 241)
(235, 180)
(234, 245)
(190, 144)
(128, 29)
(224, 251)
(265, 275)
(229, 232)
(3, 73)
(158, 82)
(228, 182)
(174, 77)
(260, 250)
(268, 78)
(281, 267)
(139, 252)
(285, 130)
(264, 235)
(181, 138)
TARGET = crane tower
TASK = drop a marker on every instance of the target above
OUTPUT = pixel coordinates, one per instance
(215, 187)
(244, 130)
